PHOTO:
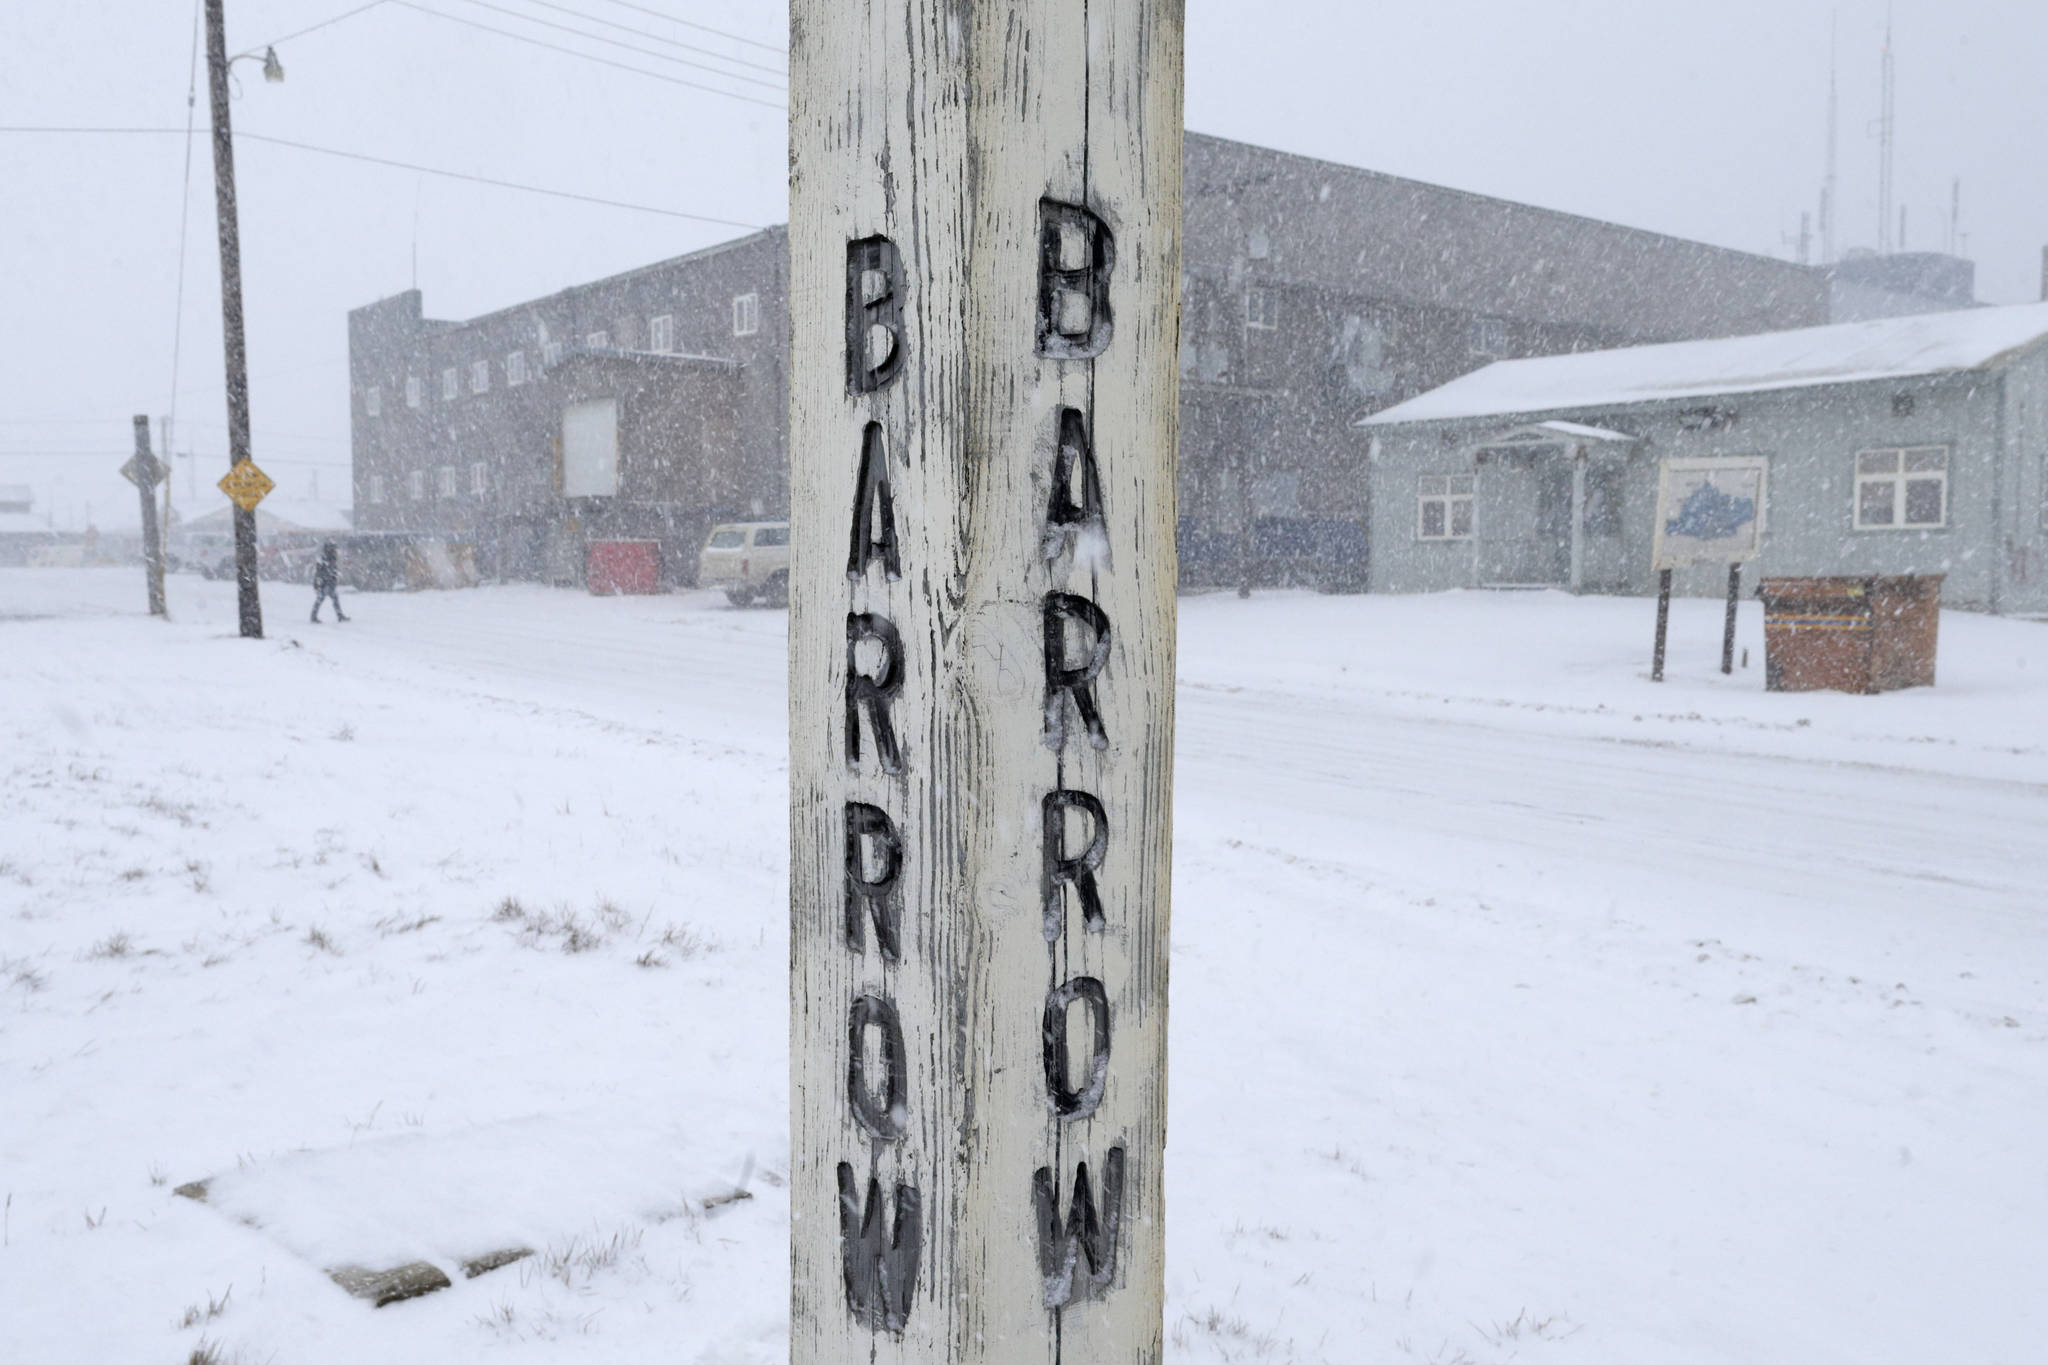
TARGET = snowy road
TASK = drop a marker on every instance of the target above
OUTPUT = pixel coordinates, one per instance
(1522, 1010)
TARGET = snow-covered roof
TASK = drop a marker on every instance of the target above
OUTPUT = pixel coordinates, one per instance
(22, 524)
(1847, 353)
(273, 514)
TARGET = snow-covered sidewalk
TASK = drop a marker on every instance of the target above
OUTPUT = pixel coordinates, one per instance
(1522, 1009)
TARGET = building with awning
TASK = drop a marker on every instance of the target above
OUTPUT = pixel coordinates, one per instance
(1908, 445)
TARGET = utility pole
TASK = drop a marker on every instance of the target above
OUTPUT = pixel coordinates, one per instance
(985, 217)
(250, 605)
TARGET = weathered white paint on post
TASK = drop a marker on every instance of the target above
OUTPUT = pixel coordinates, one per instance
(986, 200)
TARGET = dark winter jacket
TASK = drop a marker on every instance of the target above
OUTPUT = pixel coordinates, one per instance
(327, 573)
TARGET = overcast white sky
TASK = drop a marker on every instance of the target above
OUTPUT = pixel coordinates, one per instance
(1701, 119)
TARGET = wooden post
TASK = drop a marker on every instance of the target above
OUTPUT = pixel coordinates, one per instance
(146, 476)
(1663, 624)
(984, 244)
(1728, 627)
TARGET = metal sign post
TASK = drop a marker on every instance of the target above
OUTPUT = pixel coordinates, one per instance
(1709, 511)
(984, 240)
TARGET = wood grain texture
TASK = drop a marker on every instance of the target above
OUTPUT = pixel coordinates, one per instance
(941, 125)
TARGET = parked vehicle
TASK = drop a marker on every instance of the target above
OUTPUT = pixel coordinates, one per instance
(749, 560)
(399, 561)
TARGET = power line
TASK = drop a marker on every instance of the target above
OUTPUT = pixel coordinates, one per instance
(315, 28)
(702, 28)
(657, 37)
(614, 42)
(240, 135)
(588, 57)
(184, 223)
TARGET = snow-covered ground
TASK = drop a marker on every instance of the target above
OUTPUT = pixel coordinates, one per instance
(1523, 1009)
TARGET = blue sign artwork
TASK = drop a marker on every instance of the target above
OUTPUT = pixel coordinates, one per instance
(1709, 514)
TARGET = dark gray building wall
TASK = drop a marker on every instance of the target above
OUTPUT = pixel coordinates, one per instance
(701, 426)
(1314, 294)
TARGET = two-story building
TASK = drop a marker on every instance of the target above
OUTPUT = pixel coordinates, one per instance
(653, 403)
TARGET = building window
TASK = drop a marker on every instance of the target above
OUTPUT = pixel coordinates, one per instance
(376, 488)
(746, 315)
(1261, 309)
(412, 390)
(479, 478)
(551, 354)
(1902, 489)
(515, 369)
(1603, 500)
(451, 384)
(598, 341)
(444, 481)
(1489, 337)
(373, 401)
(416, 484)
(661, 333)
(480, 377)
(1443, 504)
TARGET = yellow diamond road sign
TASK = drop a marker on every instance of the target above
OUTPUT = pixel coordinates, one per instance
(245, 485)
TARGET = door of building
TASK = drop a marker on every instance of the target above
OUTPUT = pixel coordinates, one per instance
(1523, 526)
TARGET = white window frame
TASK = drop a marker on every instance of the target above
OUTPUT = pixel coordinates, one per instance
(1261, 309)
(416, 484)
(515, 369)
(598, 341)
(551, 354)
(480, 376)
(479, 478)
(1488, 337)
(746, 314)
(451, 384)
(412, 390)
(445, 481)
(661, 333)
(373, 401)
(1449, 492)
(376, 488)
(1899, 476)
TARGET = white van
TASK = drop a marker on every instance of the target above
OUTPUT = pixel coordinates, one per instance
(749, 560)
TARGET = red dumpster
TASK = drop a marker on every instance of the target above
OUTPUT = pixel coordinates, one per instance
(623, 566)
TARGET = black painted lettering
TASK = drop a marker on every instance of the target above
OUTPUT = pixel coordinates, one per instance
(1089, 1235)
(1063, 678)
(1073, 511)
(874, 511)
(1067, 1101)
(1079, 869)
(874, 858)
(883, 1114)
(880, 1263)
(871, 692)
(874, 314)
(1075, 256)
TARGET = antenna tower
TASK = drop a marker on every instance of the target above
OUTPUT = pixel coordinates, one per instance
(1886, 124)
(1827, 185)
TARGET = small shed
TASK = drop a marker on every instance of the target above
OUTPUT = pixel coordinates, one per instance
(1906, 446)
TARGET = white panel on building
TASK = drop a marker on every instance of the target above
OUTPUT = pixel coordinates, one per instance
(590, 449)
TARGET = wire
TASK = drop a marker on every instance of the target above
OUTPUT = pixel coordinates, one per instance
(614, 42)
(184, 223)
(588, 57)
(316, 27)
(241, 135)
(657, 37)
(702, 28)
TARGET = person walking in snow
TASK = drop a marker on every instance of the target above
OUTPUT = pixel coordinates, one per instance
(327, 581)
